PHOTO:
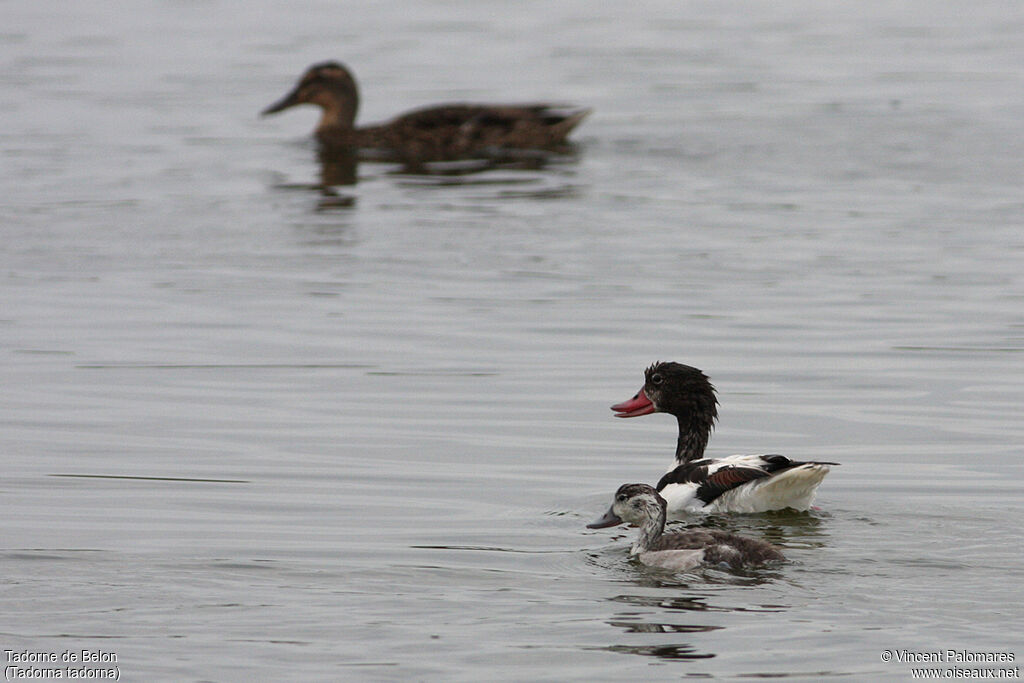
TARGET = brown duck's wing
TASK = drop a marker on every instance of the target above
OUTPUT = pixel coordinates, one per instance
(496, 115)
(456, 130)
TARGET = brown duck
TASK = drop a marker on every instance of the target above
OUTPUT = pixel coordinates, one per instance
(438, 133)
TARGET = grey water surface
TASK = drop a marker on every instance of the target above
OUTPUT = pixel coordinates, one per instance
(253, 427)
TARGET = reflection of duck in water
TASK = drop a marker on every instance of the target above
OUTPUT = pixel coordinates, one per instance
(641, 505)
(736, 483)
(439, 133)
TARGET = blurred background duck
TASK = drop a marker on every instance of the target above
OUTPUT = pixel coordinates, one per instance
(438, 133)
(642, 506)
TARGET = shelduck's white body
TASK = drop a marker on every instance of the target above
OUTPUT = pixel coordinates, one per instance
(737, 483)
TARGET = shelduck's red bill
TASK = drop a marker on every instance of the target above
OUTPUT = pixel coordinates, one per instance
(606, 520)
(634, 407)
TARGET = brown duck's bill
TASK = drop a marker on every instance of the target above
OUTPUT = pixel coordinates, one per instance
(289, 100)
(606, 520)
(634, 407)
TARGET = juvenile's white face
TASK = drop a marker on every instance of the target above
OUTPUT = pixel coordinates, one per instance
(636, 509)
(636, 504)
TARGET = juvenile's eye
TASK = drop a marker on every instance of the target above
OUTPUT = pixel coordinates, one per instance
(656, 378)
(621, 497)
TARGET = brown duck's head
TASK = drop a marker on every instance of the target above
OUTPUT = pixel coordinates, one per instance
(330, 86)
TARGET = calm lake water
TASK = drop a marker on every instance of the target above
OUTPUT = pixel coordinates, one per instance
(252, 429)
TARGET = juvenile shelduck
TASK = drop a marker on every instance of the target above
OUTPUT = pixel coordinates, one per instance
(642, 506)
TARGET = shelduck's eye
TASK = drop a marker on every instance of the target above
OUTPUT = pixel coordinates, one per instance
(656, 378)
(621, 497)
